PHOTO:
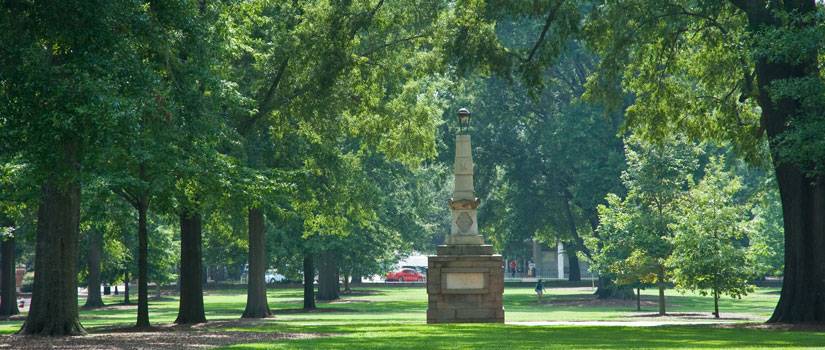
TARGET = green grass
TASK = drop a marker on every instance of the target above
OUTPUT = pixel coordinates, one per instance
(406, 336)
(395, 318)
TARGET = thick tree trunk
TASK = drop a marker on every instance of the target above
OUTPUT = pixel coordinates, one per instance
(309, 282)
(143, 268)
(93, 298)
(802, 299)
(54, 308)
(328, 284)
(346, 284)
(573, 260)
(8, 288)
(126, 289)
(190, 309)
(356, 279)
(256, 303)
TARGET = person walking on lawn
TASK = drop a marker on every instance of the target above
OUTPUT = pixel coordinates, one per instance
(540, 290)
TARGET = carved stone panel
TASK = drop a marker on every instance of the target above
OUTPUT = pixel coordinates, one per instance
(464, 222)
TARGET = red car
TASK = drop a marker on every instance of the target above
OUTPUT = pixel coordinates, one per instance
(405, 275)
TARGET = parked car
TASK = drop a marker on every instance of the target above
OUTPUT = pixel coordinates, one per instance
(421, 269)
(273, 277)
(405, 275)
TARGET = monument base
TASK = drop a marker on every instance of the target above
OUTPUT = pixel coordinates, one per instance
(465, 283)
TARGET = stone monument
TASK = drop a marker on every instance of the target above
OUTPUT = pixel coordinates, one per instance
(465, 280)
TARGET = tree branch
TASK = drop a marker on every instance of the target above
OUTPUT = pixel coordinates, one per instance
(551, 16)
(392, 43)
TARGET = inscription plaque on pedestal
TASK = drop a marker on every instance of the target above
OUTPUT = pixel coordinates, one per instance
(464, 280)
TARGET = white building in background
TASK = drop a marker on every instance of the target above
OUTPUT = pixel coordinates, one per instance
(416, 260)
(552, 262)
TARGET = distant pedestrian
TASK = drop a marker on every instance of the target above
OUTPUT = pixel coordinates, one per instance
(540, 290)
(513, 268)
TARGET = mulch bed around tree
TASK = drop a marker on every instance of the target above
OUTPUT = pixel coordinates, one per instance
(203, 336)
(701, 316)
(779, 326)
(589, 301)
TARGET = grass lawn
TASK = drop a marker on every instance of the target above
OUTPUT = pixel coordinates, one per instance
(395, 318)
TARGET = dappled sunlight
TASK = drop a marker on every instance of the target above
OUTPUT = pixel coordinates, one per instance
(396, 318)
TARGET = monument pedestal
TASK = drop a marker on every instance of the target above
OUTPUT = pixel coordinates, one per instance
(465, 283)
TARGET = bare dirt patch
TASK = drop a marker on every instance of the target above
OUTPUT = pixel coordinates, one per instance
(356, 293)
(313, 311)
(699, 316)
(162, 337)
(779, 326)
(593, 301)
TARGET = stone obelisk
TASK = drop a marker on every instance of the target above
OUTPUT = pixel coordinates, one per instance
(465, 280)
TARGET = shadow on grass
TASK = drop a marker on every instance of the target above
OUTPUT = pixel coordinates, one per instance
(520, 337)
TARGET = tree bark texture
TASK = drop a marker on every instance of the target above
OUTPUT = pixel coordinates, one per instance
(8, 287)
(54, 310)
(93, 298)
(190, 309)
(256, 303)
(143, 267)
(309, 282)
(328, 284)
(802, 299)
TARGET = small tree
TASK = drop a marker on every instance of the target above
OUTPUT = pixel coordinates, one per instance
(766, 236)
(635, 230)
(709, 254)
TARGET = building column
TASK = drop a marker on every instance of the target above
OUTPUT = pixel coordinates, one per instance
(560, 259)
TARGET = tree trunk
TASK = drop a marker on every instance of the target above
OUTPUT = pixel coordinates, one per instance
(8, 287)
(346, 284)
(661, 284)
(256, 303)
(356, 279)
(328, 284)
(716, 303)
(638, 299)
(143, 267)
(309, 282)
(190, 309)
(54, 309)
(93, 298)
(802, 299)
(126, 289)
(573, 260)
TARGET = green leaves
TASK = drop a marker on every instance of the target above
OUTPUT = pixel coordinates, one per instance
(636, 231)
(710, 252)
(687, 66)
